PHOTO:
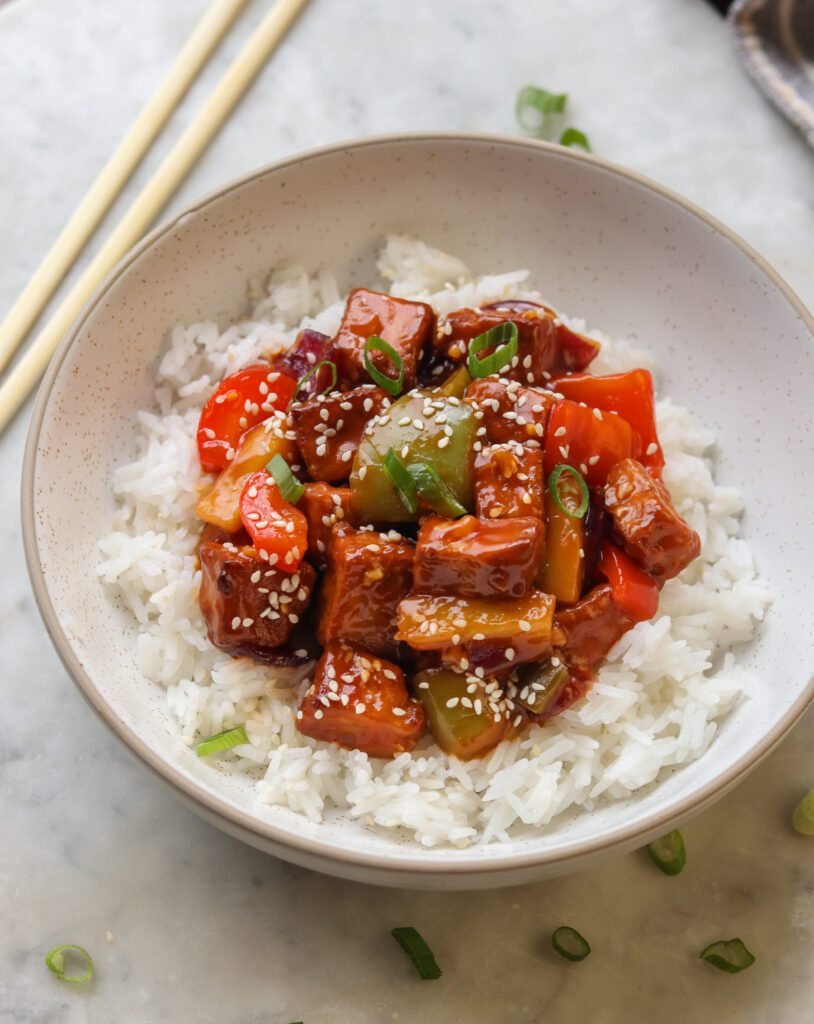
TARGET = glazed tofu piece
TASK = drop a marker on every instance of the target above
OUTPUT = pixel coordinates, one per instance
(480, 558)
(509, 482)
(368, 574)
(511, 411)
(590, 628)
(360, 701)
(329, 428)
(405, 326)
(652, 532)
(538, 345)
(323, 506)
(248, 607)
(496, 657)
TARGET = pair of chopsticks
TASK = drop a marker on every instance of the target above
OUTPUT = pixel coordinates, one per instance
(146, 207)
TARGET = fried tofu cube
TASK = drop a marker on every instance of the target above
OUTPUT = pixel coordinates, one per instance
(323, 506)
(405, 326)
(538, 349)
(509, 482)
(511, 411)
(590, 628)
(329, 428)
(360, 702)
(480, 558)
(368, 574)
(653, 533)
(246, 605)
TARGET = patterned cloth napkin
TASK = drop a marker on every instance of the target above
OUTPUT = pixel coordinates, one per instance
(775, 41)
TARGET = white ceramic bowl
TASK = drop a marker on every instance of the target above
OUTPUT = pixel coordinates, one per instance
(731, 340)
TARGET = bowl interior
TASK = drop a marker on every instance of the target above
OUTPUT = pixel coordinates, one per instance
(729, 340)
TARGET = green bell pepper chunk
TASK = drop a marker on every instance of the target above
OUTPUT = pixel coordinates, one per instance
(373, 497)
(540, 685)
(465, 729)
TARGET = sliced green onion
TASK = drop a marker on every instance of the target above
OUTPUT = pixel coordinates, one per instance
(313, 372)
(584, 496)
(535, 105)
(401, 479)
(503, 354)
(222, 741)
(803, 817)
(390, 384)
(730, 956)
(436, 493)
(418, 951)
(55, 962)
(570, 944)
(574, 137)
(289, 486)
(668, 853)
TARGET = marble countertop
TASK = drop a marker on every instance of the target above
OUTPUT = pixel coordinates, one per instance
(188, 925)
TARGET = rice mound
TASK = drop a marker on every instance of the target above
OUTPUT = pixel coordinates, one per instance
(655, 705)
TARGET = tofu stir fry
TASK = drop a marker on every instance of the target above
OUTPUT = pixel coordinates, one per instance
(450, 519)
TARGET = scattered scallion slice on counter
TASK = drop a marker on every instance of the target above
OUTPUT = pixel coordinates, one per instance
(401, 479)
(435, 492)
(55, 962)
(289, 486)
(535, 105)
(392, 385)
(803, 817)
(574, 137)
(418, 951)
(668, 853)
(222, 741)
(314, 372)
(504, 339)
(570, 944)
(730, 956)
(554, 487)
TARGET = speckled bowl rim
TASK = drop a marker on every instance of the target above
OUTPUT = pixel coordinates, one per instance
(393, 863)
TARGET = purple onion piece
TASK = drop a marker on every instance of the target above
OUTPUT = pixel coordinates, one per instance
(309, 348)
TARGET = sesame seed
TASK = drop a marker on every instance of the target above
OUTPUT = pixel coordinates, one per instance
(510, 654)
(367, 405)
(478, 636)
(598, 413)
(652, 448)
(443, 442)
(556, 662)
(359, 708)
(398, 712)
(319, 713)
(452, 702)
(235, 622)
(424, 686)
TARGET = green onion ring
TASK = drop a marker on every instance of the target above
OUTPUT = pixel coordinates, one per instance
(668, 853)
(418, 951)
(803, 817)
(435, 491)
(222, 741)
(55, 962)
(585, 497)
(730, 956)
(312, 373)
(401, 479)
(503, 354)
(392, 385)
(574, 137)
(289, 486)
(542, 103)
(570, 944)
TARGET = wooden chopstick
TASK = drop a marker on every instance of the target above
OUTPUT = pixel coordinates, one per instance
(180, 160)
(197, 50)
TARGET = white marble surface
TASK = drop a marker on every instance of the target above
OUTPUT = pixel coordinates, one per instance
(203, 929)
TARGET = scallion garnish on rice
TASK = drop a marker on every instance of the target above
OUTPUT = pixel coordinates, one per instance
(418, 951)
(55, 962)
(222, 741)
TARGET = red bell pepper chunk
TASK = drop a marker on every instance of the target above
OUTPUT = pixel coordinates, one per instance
(632, 589)
(242, 400)
(628, 394)
(587, 439)
(278, 530)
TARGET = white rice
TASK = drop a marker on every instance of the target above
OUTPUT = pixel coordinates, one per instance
(656, 704)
